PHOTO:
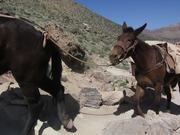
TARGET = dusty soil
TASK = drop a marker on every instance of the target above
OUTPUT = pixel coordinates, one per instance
(94, 121)
(91, 121)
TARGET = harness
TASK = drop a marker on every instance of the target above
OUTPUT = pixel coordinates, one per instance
(148, 70)
(157, 65)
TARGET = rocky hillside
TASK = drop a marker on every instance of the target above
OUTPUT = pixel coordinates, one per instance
(170, 33)
(93, 32)
(77, 24)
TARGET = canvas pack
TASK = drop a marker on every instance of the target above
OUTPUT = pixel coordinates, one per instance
(173, 50)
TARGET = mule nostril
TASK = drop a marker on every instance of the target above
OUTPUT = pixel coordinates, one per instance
(114, 56)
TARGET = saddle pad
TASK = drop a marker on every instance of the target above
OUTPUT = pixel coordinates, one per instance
(173, 51)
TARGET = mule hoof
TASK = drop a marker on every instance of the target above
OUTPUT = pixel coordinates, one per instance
(136, 114)
(142, 115)
(157, 112)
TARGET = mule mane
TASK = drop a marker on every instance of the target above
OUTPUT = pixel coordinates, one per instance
(143, 44)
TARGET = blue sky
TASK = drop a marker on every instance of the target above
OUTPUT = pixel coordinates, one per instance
(157, 13)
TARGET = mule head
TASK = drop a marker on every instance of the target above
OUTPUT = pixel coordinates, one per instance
(126, 43)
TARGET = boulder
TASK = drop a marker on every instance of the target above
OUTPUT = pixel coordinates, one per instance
(76, 51)
(107, 87)
(103, 77)
(163, 124)
(136, 126)
(90, 97)
(111, 97)
(67, 46)
(99, 76)
(7, 77)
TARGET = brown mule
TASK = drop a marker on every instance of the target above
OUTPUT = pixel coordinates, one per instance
(22, 52)
(150, 66)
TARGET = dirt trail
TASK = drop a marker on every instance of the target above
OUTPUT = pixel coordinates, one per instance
(117, 72)
(94, 121)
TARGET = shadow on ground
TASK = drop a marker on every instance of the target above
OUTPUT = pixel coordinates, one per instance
(14, 112)
(49, 113)
(147, 104)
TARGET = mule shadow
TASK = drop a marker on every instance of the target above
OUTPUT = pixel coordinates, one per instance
(14, 112)
(146, 104)
(49, 113)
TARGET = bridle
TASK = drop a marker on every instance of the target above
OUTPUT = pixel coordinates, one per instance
(127, 50)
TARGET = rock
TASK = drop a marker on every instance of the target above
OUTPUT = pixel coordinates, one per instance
(112, 97)
(103, 77)
(109, 78)
(99, 76)
(76, 51)
(136, 126)
(64, 78)
(128, 92)
(5, 86)
(107, 87)
(165, 124)
(90, 97)
(178, 131)
(7, 77)
(67, 45)
(159, 129)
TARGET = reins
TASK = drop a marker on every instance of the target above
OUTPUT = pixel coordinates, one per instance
(48, 36)
(156, 66)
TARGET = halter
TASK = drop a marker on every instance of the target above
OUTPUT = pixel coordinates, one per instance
(126, 50)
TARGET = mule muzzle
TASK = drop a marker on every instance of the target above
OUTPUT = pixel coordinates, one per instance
(115, 59)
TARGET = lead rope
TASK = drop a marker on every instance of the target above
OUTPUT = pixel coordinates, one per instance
(48, 36)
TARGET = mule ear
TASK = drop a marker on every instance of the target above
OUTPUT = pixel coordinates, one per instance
(124, 26)
(140, 29)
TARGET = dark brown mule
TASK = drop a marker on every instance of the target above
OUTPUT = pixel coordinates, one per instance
(150, 66)
(22, 52)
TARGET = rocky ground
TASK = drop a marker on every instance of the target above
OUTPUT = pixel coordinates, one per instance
(100, 103)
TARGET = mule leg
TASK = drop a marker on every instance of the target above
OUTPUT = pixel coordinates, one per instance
(178, 83)
(57, 91)
(138, 95)
(168, 93)
(158, 90)
(32, 96)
